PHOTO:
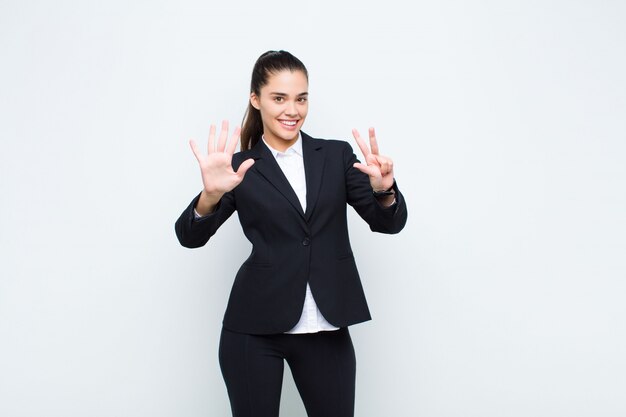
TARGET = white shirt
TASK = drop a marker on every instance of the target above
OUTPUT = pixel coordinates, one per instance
(292, 164)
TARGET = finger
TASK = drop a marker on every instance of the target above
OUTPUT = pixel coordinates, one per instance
(383, 163)
(373, 142)
(373, 160)
(371, 171)
(212, 139)
(194, 149)
(221, 144)
(360, 142)
(382, 167)
(234, 139)
(244, 167)
(389, 166)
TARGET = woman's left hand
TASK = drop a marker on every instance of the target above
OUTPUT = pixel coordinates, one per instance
(379, 168)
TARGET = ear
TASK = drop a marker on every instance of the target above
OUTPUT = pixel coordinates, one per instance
(254, 100)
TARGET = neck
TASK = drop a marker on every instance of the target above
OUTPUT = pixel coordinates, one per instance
(279, 144)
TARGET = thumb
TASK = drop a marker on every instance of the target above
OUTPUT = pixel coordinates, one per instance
(244, 167)
(366, 169)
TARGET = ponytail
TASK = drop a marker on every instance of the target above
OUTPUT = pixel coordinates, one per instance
(252, 128)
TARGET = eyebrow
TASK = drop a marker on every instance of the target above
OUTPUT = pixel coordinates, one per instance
(285, 95)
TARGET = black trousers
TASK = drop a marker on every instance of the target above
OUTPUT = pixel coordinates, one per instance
(323, 366)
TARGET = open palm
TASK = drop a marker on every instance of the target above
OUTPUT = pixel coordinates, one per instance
(218, 176)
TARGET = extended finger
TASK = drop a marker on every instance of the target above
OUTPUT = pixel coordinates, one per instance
(194, 149)
(212, 139)
(234, 139)
(221, 144)
(373, 142)
(360, 142)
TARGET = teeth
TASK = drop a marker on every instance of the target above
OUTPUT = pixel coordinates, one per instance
(289, 122)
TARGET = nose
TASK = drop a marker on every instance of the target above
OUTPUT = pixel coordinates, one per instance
(290, 109)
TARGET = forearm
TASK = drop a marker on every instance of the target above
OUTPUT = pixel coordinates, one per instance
(388, 218)
(194, 232)
(387, 201)
(207, 202)
(383, 214)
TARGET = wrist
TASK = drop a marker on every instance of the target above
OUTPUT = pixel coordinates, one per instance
(384, 192)
(211, 195)
(207, 202)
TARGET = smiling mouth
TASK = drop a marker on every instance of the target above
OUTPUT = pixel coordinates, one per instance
(289, 123)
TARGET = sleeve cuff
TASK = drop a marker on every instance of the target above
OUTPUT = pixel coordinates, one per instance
(196, 215)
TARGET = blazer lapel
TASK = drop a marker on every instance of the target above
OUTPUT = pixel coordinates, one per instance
(266, 165)
(313, 155)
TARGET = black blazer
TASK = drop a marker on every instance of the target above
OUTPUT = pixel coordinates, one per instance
(291, 247)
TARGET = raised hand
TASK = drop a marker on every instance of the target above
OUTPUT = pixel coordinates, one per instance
(218, 175)
(379, 168)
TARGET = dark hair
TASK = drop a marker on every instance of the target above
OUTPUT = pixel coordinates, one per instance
(270, 63)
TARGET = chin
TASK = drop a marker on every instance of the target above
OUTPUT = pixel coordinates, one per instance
(289, 136)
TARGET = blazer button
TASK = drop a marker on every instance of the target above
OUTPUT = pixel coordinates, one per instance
(306, 241)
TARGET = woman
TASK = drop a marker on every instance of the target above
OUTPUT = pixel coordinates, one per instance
(299, 290)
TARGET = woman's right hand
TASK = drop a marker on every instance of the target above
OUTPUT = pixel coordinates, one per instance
(218, 175)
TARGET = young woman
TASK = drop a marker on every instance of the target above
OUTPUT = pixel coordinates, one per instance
(295, 296)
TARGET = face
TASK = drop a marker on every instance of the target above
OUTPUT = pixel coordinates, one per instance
(283, 103)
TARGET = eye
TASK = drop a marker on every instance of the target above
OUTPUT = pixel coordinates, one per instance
(279, 99)
(302, 99)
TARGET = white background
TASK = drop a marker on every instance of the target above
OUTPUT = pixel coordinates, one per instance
(503, 296)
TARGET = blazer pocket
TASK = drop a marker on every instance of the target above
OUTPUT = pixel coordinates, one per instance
(345, 257)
